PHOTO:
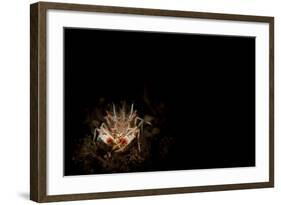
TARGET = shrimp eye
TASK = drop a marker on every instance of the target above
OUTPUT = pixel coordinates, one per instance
(123, 141)
(109, 140)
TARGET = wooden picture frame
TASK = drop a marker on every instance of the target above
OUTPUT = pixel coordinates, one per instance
(39, 100)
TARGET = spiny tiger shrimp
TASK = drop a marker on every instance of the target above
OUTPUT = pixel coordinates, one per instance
(120, 128)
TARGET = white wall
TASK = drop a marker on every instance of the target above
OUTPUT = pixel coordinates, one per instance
(14, 100)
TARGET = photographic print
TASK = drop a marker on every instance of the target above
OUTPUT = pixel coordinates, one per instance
(134, 102)
(139, 101)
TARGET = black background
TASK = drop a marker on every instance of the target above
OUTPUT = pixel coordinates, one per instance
(206, 82)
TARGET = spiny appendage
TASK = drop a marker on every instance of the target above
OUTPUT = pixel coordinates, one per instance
(120, 128)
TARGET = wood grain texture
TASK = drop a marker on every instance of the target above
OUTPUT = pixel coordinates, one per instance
(38, 86)
(37, 102)
(271, 101)
(34, 103)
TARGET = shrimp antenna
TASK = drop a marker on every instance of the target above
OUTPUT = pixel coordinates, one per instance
(132, 109)
(114, 112)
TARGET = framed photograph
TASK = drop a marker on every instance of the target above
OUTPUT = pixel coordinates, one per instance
(134, 102)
